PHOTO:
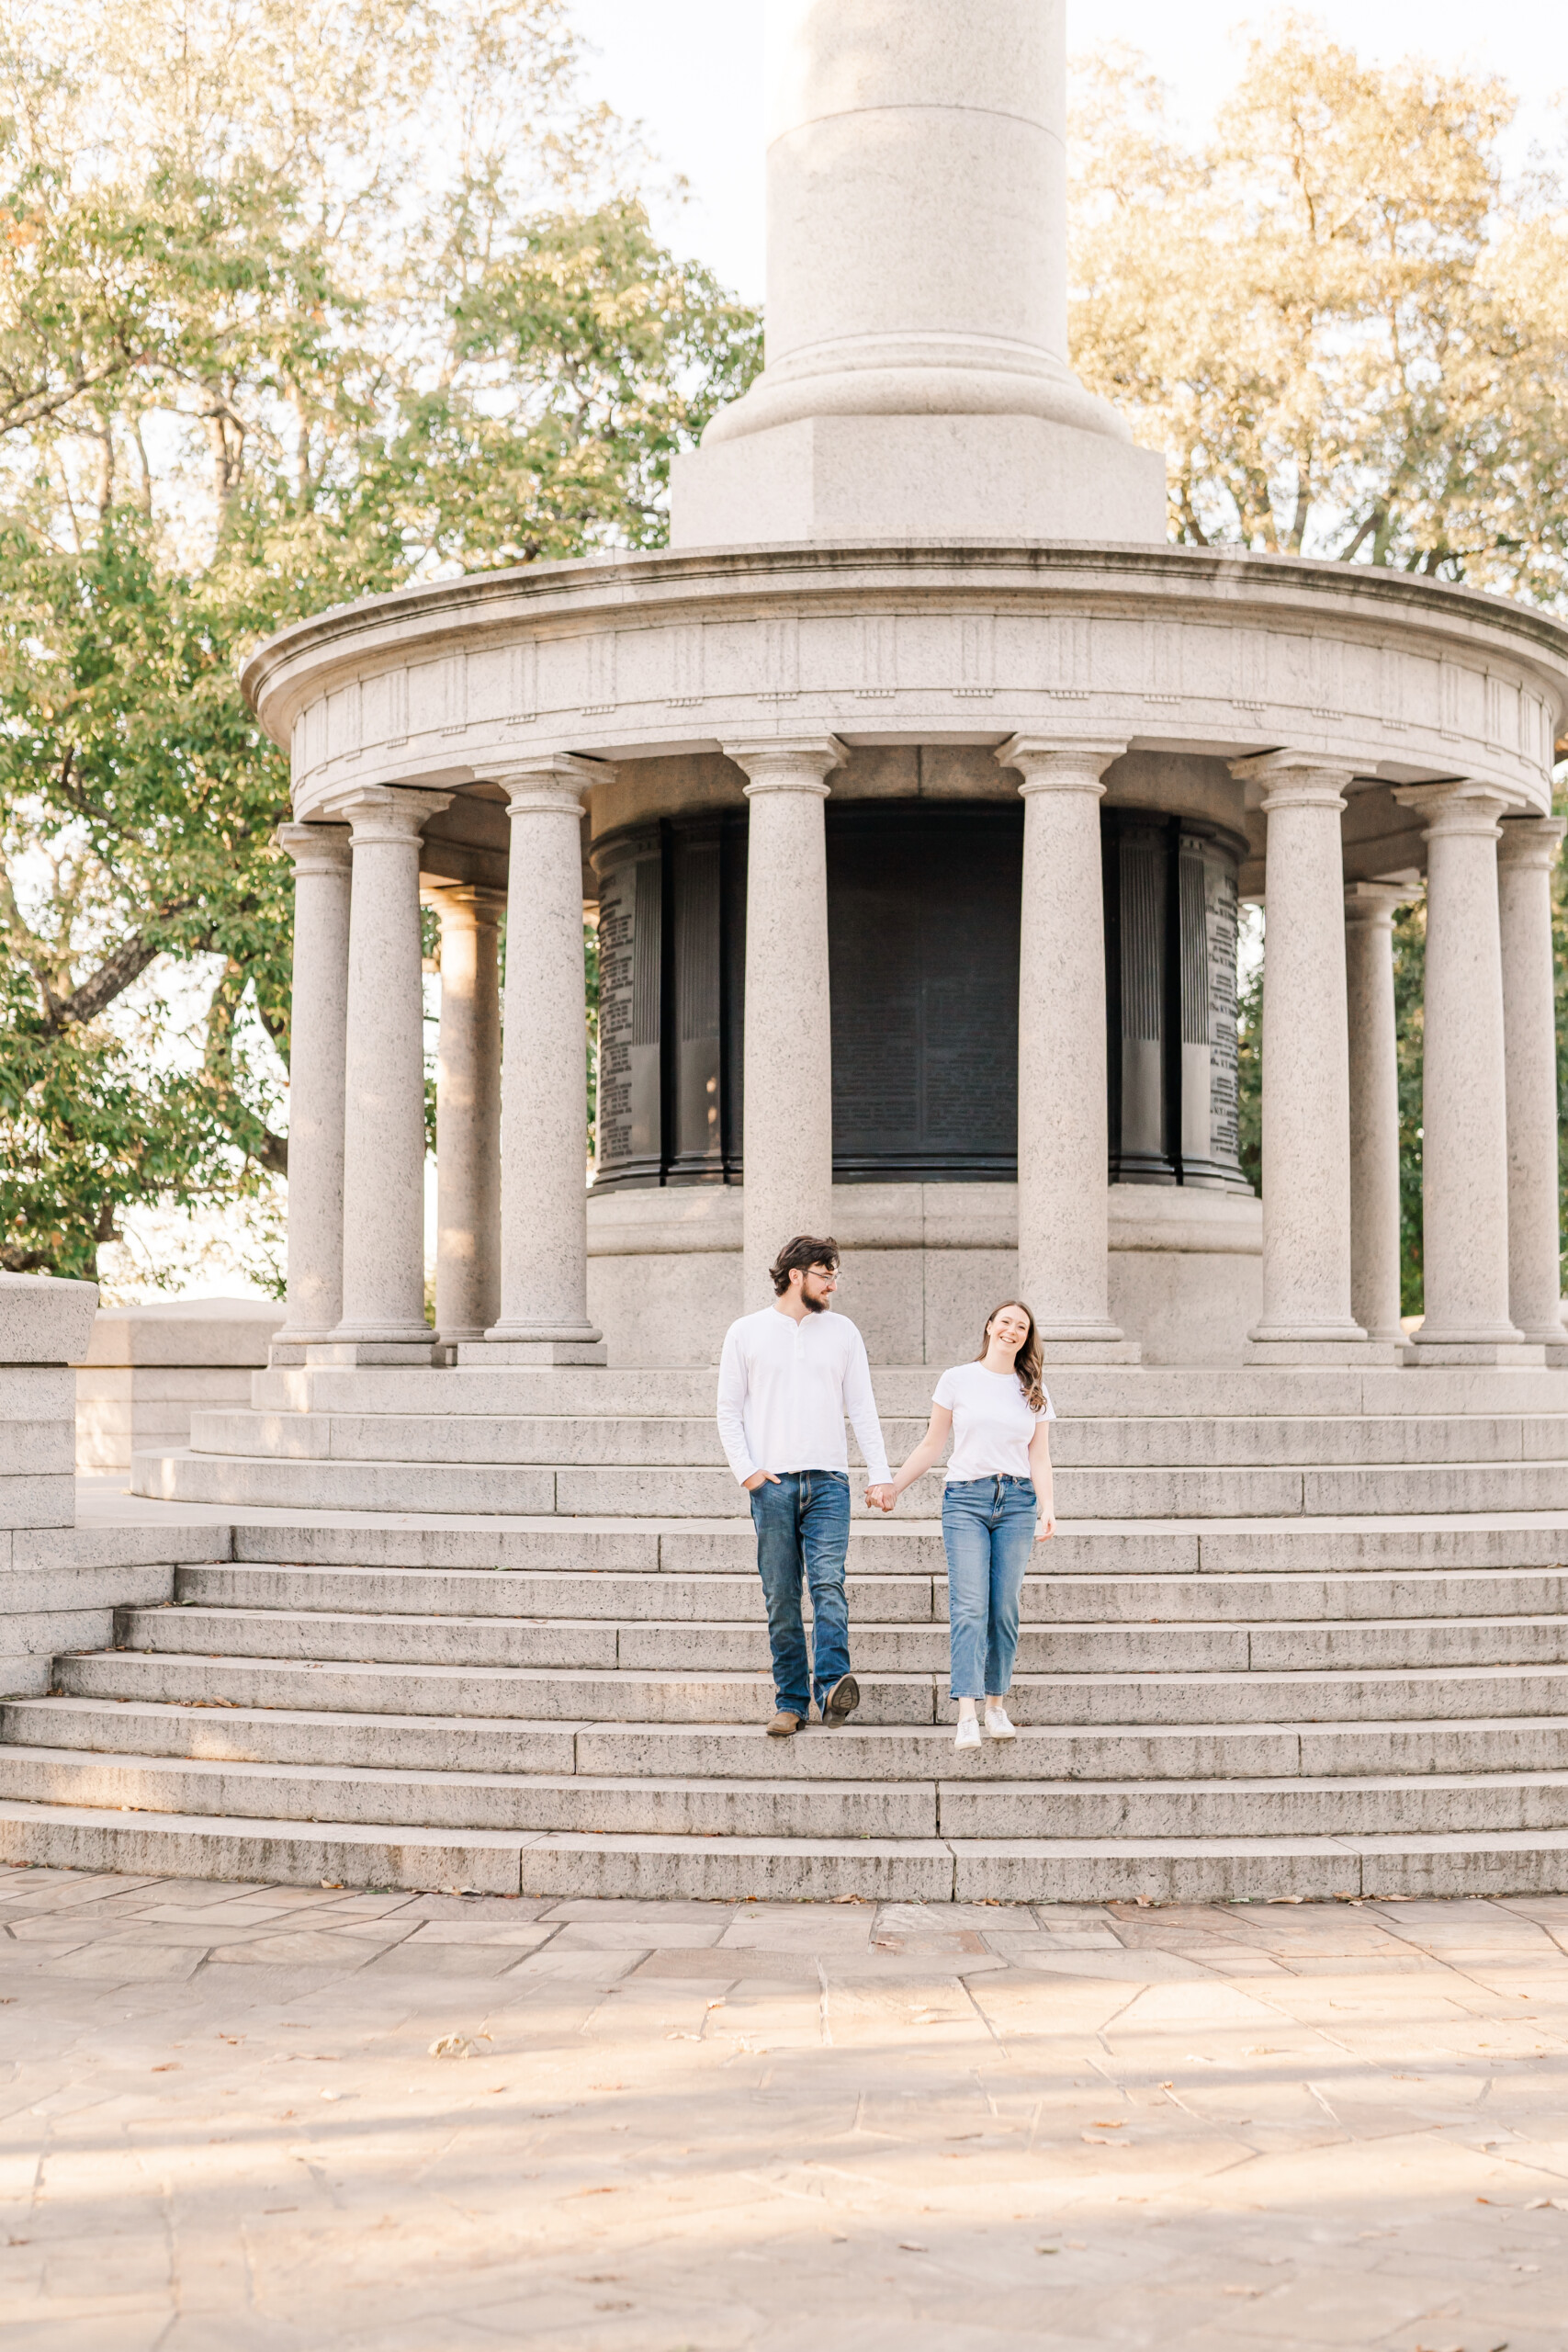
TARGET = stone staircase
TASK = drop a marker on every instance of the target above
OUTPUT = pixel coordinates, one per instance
(1301, 1633)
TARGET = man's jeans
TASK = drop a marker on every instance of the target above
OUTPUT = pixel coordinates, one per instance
(803, 1526)
(987, 1528)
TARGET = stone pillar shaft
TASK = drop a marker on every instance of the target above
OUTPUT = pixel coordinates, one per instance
(383, 1221)
(467, 1116)
(317, 1028)
(1526, 857)
(1374, 1107)
(544, 1133)
(1063, 1143)
(1464, 1106)
(788, 1144)
(1306, 1072)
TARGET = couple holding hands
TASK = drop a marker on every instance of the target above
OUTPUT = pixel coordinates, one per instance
(787, 1379)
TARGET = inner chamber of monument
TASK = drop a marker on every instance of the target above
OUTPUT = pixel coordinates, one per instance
(924, 901)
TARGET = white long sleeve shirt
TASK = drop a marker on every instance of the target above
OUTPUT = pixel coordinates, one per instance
(783, 1390)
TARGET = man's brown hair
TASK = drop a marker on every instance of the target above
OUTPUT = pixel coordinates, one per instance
(806, 1249)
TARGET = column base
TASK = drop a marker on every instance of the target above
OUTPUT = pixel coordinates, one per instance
(292, 1347)
(1078, 1346)
(486, 1354)
(1330, 1344)
(448, 1342)
(1522, 1355)
(348, 1353)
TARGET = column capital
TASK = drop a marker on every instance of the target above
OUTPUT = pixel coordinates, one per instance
(316, 849)
(1061, 763)
(786, 762)
(385, 812)
(1290, 779)
(1530, 842)
(1465, 805)
(551, 784)
(467, 903)
(1375, 902)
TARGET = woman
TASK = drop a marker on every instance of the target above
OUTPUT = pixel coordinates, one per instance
(997, 1503)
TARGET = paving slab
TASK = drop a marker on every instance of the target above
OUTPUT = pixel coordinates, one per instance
(403, 2123)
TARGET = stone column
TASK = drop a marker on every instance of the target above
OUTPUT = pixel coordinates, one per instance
(1063, 1143)
(1463, 1106)
(1525, 856)
(1374, 1106)
(1306, 1069)
(383, 1219)
(544, 1121)
(318, 1025)
(787, 1139)
(467, 1116)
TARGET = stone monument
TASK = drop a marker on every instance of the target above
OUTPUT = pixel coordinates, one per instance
(915, 787)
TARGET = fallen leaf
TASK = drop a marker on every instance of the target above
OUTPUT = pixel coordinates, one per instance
(457, 2045)
(905, 2245)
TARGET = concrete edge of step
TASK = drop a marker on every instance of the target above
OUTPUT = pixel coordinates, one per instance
(563, 1865)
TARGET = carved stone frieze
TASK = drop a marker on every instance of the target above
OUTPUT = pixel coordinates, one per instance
(1173, 649)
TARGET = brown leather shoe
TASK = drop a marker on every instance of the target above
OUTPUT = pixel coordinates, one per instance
(784, 1726)
(841, 1700)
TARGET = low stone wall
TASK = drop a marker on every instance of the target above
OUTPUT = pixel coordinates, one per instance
(60, 1585)
(147, 1369)
(923, 1266)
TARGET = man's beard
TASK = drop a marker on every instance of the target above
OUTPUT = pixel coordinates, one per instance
(813, 1305)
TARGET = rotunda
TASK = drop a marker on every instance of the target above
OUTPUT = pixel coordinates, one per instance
(916, 785)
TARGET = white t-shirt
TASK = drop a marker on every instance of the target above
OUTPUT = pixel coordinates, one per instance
(992, 1422)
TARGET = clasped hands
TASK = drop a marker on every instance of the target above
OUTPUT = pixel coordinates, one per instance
(880, 1497)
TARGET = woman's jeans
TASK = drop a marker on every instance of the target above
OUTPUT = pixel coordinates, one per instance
(802, 1521)
(987, 1526)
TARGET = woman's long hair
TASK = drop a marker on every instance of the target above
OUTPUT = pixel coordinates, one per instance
(1027, 1362)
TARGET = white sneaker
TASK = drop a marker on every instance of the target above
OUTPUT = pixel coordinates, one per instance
(968, 1733)
(996, 1725)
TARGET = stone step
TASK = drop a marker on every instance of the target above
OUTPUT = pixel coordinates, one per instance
(680, 1646)
(644, 1807)
(1092, 1392)
(621, 1492)
(233, 1734)
(903, 1547)
(456, 1801)
(536, 1593)
(547, 1693)
(884, 1598)
(1084, 1698)
(562, 1865)
(675, 1440)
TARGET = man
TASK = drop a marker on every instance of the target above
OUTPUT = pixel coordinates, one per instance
(786, 1378)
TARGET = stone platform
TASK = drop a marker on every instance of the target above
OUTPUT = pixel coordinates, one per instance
(262, 2118)
(1300, 1632)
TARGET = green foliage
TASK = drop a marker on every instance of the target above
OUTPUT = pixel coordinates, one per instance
(297, 302)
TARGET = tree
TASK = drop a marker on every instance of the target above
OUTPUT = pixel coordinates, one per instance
(296, 301)
(1346, 330)
(1341, 324)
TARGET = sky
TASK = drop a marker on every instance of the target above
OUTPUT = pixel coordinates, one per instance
(691, 72)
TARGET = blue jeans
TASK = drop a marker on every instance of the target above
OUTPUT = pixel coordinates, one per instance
(987, 1528)
(803, 1528)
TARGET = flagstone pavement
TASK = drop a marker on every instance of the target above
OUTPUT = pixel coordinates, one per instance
(249, 2117)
